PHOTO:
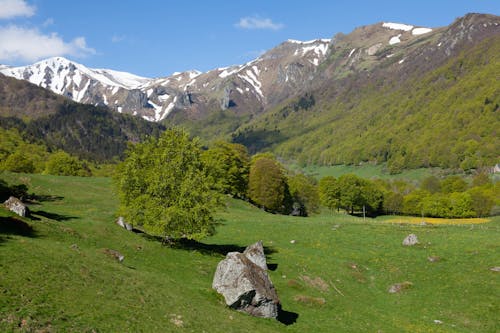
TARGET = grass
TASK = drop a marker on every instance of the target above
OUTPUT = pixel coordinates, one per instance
(57, 277)
(367, 171)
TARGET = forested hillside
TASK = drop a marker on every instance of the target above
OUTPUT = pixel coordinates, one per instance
(448, 118)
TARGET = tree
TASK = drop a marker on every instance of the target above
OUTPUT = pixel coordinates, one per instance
(19, 162)
(482, 200)
(453, 184)
(431, 184)
(329, 192)
(304, 194)
(267, 186)
(62, 164)
(228, 166)
(162, 187)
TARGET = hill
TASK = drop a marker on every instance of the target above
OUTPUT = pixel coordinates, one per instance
(89, 132)
(56, 275)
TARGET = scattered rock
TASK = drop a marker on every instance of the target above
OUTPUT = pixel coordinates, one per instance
(399, 287)
(410, 240)
(176, 320)
(292, 241)
(255, 253)
(75, 247)
(245, 285)
(437, 321)
(15, 205)
(114, 254)
(434, 258)
(495, 269)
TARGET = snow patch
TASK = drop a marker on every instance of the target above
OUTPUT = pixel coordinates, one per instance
(120, 109)
(239, 90)
(397, 26)
(350, 53)
(420, 31)
(395, 40)
(225, 73)
(401, 61)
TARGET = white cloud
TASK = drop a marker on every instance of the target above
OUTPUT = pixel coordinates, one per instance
(20, 44)
(13, 8)
(256, 22)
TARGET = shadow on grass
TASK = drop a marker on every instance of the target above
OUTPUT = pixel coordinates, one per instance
(287, 317)
(14, 226)
(209, 249)
(37, 198)
(51, 216)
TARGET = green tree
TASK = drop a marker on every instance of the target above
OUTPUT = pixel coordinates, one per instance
(453, 184)
(329, 192)
(62, 164)
(304, 192)
(267, 186)
(431, 184)
(163, 187)
(482, 200)
(228, 166)
(19, 162)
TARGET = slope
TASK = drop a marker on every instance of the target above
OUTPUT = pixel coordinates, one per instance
(447, 116)
(56, 275)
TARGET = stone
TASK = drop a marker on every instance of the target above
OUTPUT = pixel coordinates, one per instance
(495, 269)
(121, 222)
(114, 254)
(255, 253)
(433, 258)
(399, 287)
(410, 240)
(15, 205)
(243, 281)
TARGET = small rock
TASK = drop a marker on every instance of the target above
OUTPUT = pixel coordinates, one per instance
(121, 222)
(292, 241)
(15, 205)
(434, 258)
(410, 240)
(398, 287)
(437, 321)
(115, 254)
(75, 247)
(495, 269)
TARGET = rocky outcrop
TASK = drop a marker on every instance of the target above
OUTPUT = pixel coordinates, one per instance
(15, 205)
(243, 281)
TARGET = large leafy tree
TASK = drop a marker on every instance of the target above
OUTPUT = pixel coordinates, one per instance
(267, 186)
(163, 187)
(228, 166)
(304, 192)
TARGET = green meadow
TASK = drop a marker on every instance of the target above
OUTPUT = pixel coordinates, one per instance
(332, 271)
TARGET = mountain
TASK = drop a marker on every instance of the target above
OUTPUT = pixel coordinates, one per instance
(366, 96)
(93, 133)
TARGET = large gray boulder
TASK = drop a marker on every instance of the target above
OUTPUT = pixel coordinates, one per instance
(243, 281)
(15, 205)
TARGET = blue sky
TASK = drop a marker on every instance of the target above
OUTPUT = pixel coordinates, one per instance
(155, 38)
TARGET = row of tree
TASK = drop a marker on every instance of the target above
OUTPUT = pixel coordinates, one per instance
(451, 197)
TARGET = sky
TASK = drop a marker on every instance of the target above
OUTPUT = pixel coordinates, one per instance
(154, 38)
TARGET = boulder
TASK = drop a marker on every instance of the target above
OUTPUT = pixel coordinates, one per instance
(243, 281)
(121, 222)
(255, 253)
(15, 205)
(410, 240)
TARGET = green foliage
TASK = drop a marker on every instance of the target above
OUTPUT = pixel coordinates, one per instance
(453, 184)
(17, 155)
(329, 192)
(19, 162)
(228, 166)
(62, 164)
(431, 184)
(162, 186)
(267, 186)
(304, 192)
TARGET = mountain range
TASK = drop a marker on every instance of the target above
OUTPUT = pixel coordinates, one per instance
(313, 100)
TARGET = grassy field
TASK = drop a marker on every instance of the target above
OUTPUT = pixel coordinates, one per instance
(56, 276)
(366, 171)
